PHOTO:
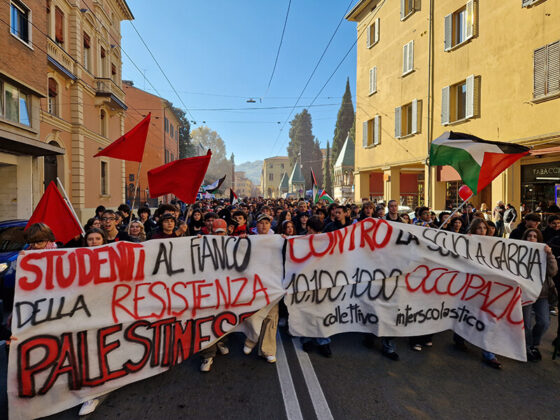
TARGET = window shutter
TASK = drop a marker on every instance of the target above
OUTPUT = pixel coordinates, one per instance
(53, 88)
(365, 134)
(376, 130)
(469, 20)
(553, 68)
(376, 34)
(445, 105)
(87, 41)
(373, 80)
(102, 52)
(469, 106)
(398, 122)
(414, 116)
(448, 32)
(59, 24)
(405, 59)
(368, 30)
(539, 72)
(411, 55)
(403, 9)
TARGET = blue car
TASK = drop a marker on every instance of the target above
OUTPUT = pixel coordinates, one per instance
(11, 242)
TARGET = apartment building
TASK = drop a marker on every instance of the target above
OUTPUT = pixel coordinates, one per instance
(162, 143)
(271, 175)
(84, 108)
(23, 67)
(491, 69)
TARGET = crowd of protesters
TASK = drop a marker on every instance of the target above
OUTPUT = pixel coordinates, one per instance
(289, 217)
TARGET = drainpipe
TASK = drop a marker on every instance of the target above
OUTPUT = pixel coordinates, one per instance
(430, 97)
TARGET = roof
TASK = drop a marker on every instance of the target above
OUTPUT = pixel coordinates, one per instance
(277, 158)
(346, 155)
(296, 177)
(284, 183)
(353, 14)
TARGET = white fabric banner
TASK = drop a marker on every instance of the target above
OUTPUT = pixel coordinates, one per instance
(90, 320)
(394, 279)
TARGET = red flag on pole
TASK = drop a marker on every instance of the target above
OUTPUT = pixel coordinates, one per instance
(181, 177)
(53, 211)
(131, 145)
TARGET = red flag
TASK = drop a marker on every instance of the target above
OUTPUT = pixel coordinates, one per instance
(181, 177)
(131, 145)
(53, 211)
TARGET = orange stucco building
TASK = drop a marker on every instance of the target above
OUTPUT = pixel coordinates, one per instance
(162, 144)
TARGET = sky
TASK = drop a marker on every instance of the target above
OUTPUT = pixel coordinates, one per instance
(219, 54)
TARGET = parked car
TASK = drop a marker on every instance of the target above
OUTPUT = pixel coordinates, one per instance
(11, 242)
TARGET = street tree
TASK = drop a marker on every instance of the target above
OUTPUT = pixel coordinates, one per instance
(344, 123)
(302, 142)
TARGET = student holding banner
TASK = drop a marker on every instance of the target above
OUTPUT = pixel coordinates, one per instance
(478, 227)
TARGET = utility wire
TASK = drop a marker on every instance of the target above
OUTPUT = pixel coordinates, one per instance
(279, 47)
(312, 74)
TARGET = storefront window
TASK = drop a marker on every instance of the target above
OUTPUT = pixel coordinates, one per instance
(538, 184)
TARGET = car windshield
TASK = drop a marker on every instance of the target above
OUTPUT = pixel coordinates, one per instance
(11, 239)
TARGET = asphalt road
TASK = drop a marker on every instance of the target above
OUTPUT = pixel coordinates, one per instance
(356, 383)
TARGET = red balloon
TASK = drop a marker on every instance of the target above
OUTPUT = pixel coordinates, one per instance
(465, 192)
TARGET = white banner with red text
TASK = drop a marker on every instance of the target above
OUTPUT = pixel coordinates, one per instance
(91, 320)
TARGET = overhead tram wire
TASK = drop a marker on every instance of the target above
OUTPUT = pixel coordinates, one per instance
(279, 47)
(366, 27)
(162, 72)
(312, 74)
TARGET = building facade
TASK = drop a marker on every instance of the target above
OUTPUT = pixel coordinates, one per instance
(343, 168)
(243, 185)
(23, 67)
(162, 143)
(84, 109)
(491, 69)
(271, 175)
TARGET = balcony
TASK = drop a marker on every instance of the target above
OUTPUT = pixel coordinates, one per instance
(107, 88)
(60, 59)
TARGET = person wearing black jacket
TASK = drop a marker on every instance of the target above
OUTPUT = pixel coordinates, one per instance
(340, 220)
(530, 221)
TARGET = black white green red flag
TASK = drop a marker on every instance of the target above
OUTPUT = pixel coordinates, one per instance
(233, 197)
(478, 161)
(315, 187)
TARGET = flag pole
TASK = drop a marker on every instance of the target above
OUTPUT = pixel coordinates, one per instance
(70, 205)
(457, 209)
(134, 197)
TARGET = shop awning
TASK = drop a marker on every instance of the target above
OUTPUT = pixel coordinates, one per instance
(29, 147)
(547, 151)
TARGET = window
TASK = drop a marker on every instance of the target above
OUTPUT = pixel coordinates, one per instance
(58, 26)
(166, 124)
(408, 58)
(19, 21)
(282, 165)
(546, 63)
(460, 101)
(53, 97)
(104, 178)
(373, 33)
(172, 157)
(373, 80)
(371, 135)
(113, 71)
(87, 52)
(407, 119)
(102, 62)
(103, 123)
(166, 156)
(271, 177)
(460, 26)
(171, 130)
(408, 7)
(526, 3)
(15, 104)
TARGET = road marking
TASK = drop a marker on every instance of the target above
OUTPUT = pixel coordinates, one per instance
(313, 386)
(291, 403)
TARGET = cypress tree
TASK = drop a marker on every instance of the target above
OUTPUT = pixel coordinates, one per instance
(327, 172)
(344, 122)
(302, 141)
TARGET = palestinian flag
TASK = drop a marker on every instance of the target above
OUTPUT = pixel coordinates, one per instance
(215, 185)
(324, 196)
(315, 187)
(233, 197)
(477, 161)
